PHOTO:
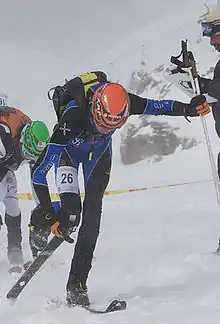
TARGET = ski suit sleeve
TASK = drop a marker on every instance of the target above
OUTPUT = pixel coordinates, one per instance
(6, 142)
(6, 149)
(69, 126)
(148, 106)
(31, 165)
(213, 86)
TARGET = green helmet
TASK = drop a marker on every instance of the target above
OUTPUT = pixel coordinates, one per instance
(34, 138)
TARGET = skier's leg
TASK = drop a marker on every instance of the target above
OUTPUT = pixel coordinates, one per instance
(216, 115)
(13, 219)
(218, 165)
(3, 191)
(89, 230)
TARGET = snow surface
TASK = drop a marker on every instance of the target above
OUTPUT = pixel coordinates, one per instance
(155, 249)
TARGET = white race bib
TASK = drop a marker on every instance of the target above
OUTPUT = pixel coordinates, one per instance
(67, 180)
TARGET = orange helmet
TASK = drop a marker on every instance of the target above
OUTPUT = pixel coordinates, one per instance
(110, 107)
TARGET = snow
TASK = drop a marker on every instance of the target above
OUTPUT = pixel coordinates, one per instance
(157, 255)
(155, 248)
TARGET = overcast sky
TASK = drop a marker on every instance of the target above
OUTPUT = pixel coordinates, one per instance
(67, 28)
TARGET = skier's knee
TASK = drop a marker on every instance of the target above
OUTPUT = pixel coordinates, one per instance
(12, 207)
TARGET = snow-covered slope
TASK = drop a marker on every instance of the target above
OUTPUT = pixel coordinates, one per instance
(155, 247)
(155, 252)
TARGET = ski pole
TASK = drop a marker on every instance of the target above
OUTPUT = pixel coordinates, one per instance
(190, 67)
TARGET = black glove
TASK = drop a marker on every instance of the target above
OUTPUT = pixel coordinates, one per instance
(66, 224)
(198, 106)
(42, 218)
(40, 223)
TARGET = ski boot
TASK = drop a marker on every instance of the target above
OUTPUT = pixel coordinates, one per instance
(77, 295)
(15, 254)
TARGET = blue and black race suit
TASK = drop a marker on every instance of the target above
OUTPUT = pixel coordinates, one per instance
(75, 140)
(76, 135)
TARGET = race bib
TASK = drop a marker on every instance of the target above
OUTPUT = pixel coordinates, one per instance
(67, 180)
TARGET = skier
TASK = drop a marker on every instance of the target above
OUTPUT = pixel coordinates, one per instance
(211, 29)
(21, 139)
(3, 99)
(89, 110)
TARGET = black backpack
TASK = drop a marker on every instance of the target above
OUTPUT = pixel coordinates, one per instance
(76, 89)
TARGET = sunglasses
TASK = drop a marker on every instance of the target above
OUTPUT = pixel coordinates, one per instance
(209, 29)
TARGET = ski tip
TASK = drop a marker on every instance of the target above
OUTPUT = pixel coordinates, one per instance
(116, 305)
(11, 296)
(13, 293)
(123, 304)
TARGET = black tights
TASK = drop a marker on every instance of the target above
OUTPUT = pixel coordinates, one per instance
(91, 216)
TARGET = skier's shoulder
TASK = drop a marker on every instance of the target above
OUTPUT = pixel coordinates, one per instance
(137, 104)
(3, 170)
(72, 113)
(7, 142)
(72, 105)
(4, 128)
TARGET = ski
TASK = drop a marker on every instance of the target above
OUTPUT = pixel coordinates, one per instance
(27, 264)
(21, 283)
(115, 306)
